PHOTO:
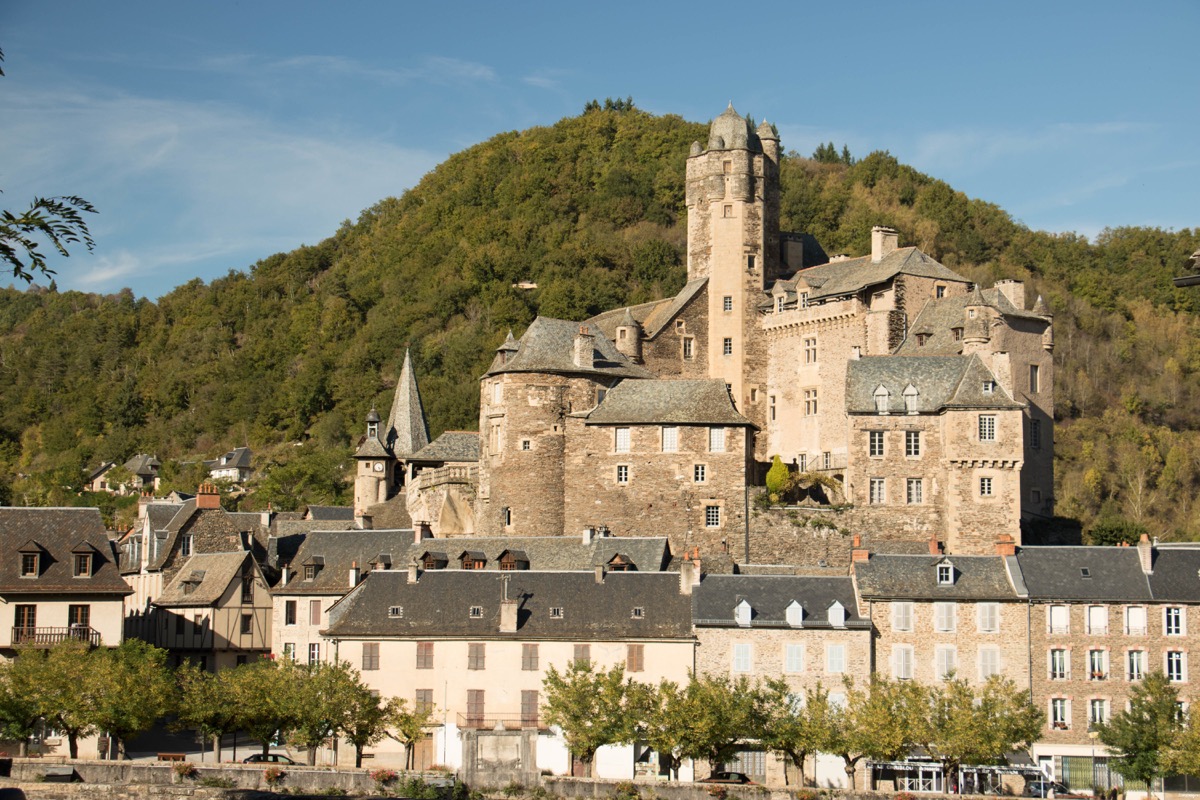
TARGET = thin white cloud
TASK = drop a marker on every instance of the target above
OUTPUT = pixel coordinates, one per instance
(971, 147)
(189, 182)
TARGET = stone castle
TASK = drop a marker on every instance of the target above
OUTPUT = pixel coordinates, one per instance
(919, 404)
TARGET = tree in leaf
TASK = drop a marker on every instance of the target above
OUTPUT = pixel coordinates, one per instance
(964, 725)
(409, 727)
(62, 682)
(587, 704)
(657, 717)
(777, 479)
(721, 713)
(872, 723)
(318, 699)
(795, 726)
(19, 712)
(265, 696)
(1144, 734)
(205, 702)
(135, 690)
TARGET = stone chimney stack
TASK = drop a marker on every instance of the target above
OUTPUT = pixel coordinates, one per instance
(687, 577)
(1014, 291)
(144, 499)
(285, 575)
(935, 547)
(1146, 554)
(421, 532)
(585, 344)
(883, 241)
(508, 609)
(365, 523)
(414, 572)
(207, 496)
(600, 573)
(1006, 545)
(858, 552)
(354, 574)
(588, 533)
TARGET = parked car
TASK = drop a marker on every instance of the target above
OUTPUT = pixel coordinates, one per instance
(727, 777)
(1043, 789)
(269, 758)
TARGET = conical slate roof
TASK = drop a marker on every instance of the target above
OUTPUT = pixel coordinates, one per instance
(406, 431)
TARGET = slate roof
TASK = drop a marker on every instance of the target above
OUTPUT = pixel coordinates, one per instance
(213, 520)
(392, 514)
(653, 316)
(439, 605)
(548, 345)
(940, 316)
(451, 446)
(238, 458)
(406, 431)
(1056, 573)
(143, 465)
(915, 578)
(341, 548)
(326, 513)
(56, 532)
(769, 596)
(214, 571)
(841, 278)
(942, 382)
(100, 470)
(704, 402)
(1176, 576)
(371, 447)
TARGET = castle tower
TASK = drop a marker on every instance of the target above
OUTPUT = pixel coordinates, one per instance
(375, 471)
(733, 241)
(406, 431)
(977, 328)
(629, 338)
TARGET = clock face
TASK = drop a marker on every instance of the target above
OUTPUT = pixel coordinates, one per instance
(378, 467)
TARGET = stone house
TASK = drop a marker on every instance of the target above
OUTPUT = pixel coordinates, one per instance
(233, 466)
(141, 472)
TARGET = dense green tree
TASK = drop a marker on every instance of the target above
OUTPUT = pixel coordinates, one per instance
(205, 701)
(408, 727)
(873, 722)
(1143, 734)
(19, 711)
(135, 690)
(586, 703)
(795, 726)
(64, 686)
(656, 716)
(721, 713)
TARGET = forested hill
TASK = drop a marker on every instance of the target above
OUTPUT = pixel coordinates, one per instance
(289, 356)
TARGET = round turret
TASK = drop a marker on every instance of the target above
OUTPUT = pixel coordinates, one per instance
(629, 338)
(730, 131)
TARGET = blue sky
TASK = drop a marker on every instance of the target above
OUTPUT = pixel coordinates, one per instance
(210, 135)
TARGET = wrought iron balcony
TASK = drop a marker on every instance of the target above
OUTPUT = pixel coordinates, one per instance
(47, 637)
(514, 723)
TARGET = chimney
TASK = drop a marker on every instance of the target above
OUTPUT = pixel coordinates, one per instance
(508, 608)
(883, 241)
(144, 499)
(285, 575)
(365, 523)
(585, 343)
(1146, 554)
(599, 573)
(207, 496)
(1014, 291)
(858, 552)
(1006, 545)
(414, 572)
(264, 517)
(421, 532)
(687, 575)
(935, 548)
(353, 574)
(588, 533)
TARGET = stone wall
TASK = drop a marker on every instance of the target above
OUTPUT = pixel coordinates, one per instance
(663, 355)
(815, 536)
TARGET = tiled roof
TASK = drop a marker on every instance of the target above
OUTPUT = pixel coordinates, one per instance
(451, 446)
(704, 402)
(1058, 573)
(915, 578)
(341, 548)
(1176, 576)
(847, 277)
(237, 458)
(210, 573)
(548, 345)
(391, 514)
(941, 382)
(440, 604)
(940, 316)
(653, 316)
(769, 596)
(371, 447)
(56, 532)
(406, 431)
(142, 464)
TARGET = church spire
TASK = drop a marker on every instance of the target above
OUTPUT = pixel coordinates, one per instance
(406, 431)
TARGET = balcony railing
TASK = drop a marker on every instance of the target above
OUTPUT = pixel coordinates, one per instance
(514, 723)
(47, 637)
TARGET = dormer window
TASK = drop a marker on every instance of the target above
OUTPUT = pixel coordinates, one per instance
(742, 613)
(795, 614)
(511, 560)
(945, 574)
(310, 572)
(185, 545)
(471, 559)
(190, 586)
(837, 615)
(910, 399)
(29, 565)
(989, 387)
(921, 339)
(882, 396)
(957, 334)
(802, 299)
(621, 563)
(83, 565)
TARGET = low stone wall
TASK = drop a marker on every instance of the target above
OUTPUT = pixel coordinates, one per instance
(161, 777)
